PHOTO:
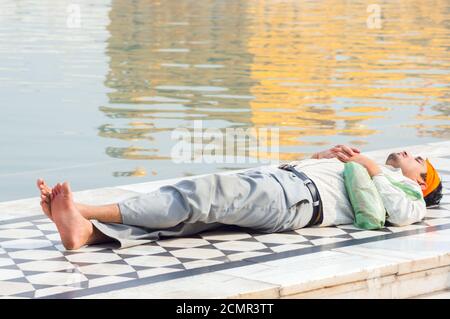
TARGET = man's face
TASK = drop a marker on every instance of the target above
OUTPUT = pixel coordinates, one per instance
(412, 167)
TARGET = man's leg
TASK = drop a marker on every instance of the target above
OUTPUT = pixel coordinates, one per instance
(253, 200)
(104, 213)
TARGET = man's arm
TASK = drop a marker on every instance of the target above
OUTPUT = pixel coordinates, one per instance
(342, 151)
(401, 209)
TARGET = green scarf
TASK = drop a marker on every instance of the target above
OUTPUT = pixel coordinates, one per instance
(408, 190)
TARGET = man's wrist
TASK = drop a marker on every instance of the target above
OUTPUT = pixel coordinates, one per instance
(372, 168)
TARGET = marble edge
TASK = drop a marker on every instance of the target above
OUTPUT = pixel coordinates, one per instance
(379, 266)
(141, 187)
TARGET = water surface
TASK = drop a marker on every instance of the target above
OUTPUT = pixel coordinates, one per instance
(95, 103)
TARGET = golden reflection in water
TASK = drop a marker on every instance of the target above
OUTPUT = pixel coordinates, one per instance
(307, 57)
(311, 68)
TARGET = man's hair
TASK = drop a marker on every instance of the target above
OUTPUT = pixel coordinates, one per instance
(434, 197)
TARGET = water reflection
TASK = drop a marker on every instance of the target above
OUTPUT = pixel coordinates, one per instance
(96, 104)
(171, 63)
(312, 68)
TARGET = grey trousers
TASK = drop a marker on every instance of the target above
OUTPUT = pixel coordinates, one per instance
(267, 199)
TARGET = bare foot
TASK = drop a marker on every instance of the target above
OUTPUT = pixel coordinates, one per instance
(74, 230)
(46, 192)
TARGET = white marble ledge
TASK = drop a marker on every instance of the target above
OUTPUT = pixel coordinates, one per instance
(392, 286)
(209, 285)
(314, 271)
(413, 253)
(443, 294)
(438, 149)
(398, 256)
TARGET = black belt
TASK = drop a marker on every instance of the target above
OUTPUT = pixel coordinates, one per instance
(317, 216)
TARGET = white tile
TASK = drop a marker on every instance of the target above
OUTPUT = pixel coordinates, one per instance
(6, 274)
(6, 262)
(395, 229)
(53, 291)
(26, 244)
(72, 279)
(47, 227)
(8, 288)
(152, 261)
(367, 234)
(20, 233)
(280, 238)
(140, 250)
(247, 254)
(99, 257)
(223, 235)
(45, 265)
(288, 247)
(437, 221)
(183, 242)
(349, 227)
(106, 269)
(321, 231)
(199, 286)
(35, 254)
(197, 253)
(16, 225)
(327, 240)
(108, 280)
(201, 263)
(54, 237)
(240, 245)
(156, 271)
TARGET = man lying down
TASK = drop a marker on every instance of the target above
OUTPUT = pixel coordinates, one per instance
(310, 192)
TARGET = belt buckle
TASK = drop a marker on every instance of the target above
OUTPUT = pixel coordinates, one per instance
(286, 166)
(307, 181)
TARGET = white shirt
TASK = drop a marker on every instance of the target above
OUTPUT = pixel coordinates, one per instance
(327, 174)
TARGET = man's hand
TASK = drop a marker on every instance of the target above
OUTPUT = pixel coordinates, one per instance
(342, 152)
(370, 165)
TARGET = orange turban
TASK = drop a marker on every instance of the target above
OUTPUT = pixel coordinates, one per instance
(432, 181)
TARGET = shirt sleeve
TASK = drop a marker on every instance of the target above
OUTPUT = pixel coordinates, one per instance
(401, 210)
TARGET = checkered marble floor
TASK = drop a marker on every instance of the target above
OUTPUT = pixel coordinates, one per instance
(34, 264)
